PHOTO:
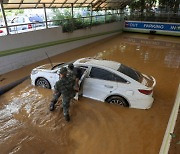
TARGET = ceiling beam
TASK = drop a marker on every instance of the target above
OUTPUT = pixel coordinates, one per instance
(38, 3)
(21, 4)
(95, 5)
(51, 3)
(98, 3)
(75, 2)
(64, 3)
(83, 3)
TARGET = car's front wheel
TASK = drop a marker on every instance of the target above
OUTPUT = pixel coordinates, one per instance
(42, 82)
(118, 100)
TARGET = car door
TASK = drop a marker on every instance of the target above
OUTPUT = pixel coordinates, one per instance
(54, 77)
(83, 73)
(99, 84)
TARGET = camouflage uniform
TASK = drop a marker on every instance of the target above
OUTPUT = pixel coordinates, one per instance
(74, 73)
(71, 74)
(65, 88)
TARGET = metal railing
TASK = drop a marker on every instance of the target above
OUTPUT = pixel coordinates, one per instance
(73, 23)
(157, 17)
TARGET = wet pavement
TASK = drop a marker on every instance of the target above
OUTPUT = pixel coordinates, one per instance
(27, 126)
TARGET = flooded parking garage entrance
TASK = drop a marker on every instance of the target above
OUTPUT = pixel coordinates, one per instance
(27, 126)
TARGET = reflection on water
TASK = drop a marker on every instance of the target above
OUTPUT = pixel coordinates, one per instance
(138, 47)
(122, 48)
(152, 42)
(9, 124)
(146, 49)
(27, 126)
(24, 118)
(172, 59)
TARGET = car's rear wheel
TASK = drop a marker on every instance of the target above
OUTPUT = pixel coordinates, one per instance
(118, 100)
(42, 82)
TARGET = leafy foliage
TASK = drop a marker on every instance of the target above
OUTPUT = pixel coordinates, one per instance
(170, 5)
(70, 24)
(14, 12)
(140, 5)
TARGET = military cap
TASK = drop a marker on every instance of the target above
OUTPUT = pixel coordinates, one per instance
(63, 70)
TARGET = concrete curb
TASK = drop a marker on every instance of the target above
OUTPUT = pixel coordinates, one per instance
(12, 85)
(53, 43)
(171, 124)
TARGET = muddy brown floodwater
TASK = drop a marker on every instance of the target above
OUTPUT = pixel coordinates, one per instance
(27, 126)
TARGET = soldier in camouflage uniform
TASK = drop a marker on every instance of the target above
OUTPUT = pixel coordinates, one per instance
(73, 73)
(76, 73)
(64, 87)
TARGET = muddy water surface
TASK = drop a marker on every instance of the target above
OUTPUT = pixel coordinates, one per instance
(27, 126)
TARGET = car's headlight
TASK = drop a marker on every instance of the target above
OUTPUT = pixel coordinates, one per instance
(34, 72)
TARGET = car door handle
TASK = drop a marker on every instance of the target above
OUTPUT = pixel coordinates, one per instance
(108, 86)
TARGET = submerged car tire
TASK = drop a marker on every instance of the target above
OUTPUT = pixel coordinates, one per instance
(118, 100)
(42, 82)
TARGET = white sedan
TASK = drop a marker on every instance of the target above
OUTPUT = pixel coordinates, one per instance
(104, 80)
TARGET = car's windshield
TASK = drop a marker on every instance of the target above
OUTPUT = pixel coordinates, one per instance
(130, 72)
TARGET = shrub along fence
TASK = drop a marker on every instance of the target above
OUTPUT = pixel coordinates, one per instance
(71, 24)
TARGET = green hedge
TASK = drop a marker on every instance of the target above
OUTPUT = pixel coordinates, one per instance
(70, 24)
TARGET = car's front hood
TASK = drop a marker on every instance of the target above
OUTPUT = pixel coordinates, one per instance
(46, 66)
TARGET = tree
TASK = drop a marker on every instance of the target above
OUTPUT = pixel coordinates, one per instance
(140, 5)
(170, 5)
(14, 12)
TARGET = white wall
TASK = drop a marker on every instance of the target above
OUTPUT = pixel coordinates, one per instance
(15, 61)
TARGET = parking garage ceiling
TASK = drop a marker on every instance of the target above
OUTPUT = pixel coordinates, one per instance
(95, 4)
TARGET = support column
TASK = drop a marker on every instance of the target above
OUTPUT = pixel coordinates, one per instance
(105, 14)
(4, 17)
(72, 11)
(91, 14)
(117, 16)
(44, 6)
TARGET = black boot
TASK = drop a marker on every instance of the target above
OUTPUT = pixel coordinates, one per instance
(52, 107)
(67, 118)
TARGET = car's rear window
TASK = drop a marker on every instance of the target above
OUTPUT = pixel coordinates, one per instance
(130, 72)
